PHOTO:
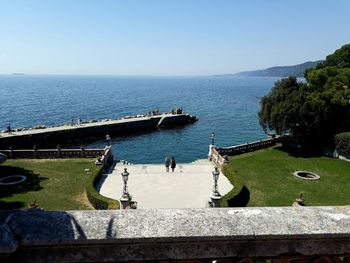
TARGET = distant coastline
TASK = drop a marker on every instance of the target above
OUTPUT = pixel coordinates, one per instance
(278, 71)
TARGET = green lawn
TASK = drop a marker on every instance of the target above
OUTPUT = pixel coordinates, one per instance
(267, 175)
(55, 184)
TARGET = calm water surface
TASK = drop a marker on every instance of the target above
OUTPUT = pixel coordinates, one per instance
(226, 105)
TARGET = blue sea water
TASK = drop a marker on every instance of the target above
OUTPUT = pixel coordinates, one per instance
(226, 105)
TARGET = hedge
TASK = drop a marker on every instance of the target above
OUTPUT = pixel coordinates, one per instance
(342, 144)
(239, 195)
(99, 201)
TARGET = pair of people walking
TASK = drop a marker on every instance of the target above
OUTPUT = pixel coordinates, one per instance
(171, 163)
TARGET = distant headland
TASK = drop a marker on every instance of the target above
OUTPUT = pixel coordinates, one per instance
(278, 71)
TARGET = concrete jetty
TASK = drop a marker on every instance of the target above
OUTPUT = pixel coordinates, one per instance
(44, 137)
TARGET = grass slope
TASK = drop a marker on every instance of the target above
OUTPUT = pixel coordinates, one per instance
(268, 176)
(57, 184)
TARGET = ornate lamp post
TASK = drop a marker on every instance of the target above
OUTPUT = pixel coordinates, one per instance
(211, 146)
(126, 199)
(125, 176)
(216, 174)
(215, 195)
(108, 140)
(212, 138)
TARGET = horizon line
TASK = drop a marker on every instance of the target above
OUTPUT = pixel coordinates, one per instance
(19, 74)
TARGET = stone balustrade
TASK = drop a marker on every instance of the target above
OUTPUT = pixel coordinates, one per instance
(107, 156)
(53, 153)
(218, 154)
(247, 147)
(269, 234)
(217, 158)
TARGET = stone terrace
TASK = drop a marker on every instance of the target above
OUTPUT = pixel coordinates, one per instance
(152, 187)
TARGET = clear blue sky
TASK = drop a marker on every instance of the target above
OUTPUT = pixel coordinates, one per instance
(188, 37)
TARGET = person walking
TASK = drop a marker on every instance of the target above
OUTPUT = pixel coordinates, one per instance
(167, 164)
(173, 164)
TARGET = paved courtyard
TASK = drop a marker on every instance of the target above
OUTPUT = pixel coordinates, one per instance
(152, 187)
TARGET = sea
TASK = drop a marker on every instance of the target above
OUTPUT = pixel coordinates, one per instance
(227, 106)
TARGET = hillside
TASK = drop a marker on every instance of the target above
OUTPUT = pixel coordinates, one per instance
(279, 71)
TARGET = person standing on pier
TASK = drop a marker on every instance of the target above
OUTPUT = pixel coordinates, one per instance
(173, 163)
(167, 164)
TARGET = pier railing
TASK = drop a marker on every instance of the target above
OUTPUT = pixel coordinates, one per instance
(53, 153)
(246, 235)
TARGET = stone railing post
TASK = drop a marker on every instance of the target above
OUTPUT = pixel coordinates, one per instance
(11, 153)
(108, 155)
(210, 153)
(82, 151)
(35, 151)
(59, 151)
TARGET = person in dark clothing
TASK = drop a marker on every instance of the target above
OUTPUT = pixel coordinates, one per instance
(167, 164)
(173, 164)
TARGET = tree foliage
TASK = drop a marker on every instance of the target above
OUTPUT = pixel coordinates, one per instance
(342, 144)
(314, 110)
(340, 58)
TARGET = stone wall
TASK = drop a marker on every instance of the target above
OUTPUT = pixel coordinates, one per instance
(247, 147)
(273, 234)
(53, 153)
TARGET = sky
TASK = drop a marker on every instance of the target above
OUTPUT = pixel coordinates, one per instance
(167, 37)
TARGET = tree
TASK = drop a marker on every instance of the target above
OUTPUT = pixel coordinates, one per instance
(340, 58)
(313, 111)
(279, 108)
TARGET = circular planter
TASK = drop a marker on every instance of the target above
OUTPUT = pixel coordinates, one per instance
(305, 175)
(12, 180)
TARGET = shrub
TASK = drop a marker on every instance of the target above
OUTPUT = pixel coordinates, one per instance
(99, 201)
(342, 144)
(239, 195)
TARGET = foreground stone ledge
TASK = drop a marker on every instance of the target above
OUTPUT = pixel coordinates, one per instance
(164, 234)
